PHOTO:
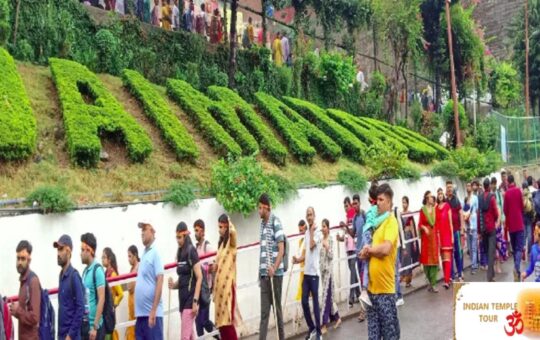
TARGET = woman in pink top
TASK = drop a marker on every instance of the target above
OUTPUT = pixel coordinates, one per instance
(350, 248)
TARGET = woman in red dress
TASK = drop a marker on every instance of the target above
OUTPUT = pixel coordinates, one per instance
(429, 253)
(443, 223)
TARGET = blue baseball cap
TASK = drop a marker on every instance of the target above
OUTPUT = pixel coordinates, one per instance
(64, 241)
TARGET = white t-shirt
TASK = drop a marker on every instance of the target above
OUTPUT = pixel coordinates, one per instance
(175, 17)
(311, 263)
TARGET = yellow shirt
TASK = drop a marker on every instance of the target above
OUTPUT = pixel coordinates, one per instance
(382, 278)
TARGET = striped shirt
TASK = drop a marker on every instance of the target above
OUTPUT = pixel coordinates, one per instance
(271, 234)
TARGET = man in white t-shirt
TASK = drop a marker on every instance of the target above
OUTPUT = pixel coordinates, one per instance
(175, 16)
(312, 242)
(360, 78)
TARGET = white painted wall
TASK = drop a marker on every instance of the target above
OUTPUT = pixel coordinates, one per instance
(117, 228)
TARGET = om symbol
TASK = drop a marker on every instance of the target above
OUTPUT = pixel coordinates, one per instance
(515, 322)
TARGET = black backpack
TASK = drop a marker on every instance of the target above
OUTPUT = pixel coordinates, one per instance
(109, 315)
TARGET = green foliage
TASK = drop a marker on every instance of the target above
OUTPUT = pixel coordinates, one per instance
(17, 123)
(5, 25)
(238, 185)
(195, 104)
(336, 73)
(111, 58)
(504, 86)
(448, 119)
(157, 109)
(386, 162)
(180, 194)
(468, 163)
(372, 100)
(85, 122)
(487, 131)
(211, 75)
(417, 114)
(352, 146)
(353, 180)
(365, 132)
(23, 51)
(268, 142)
(51, 199)
(293, 136)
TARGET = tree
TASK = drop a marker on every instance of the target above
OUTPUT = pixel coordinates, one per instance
(5, 26)
(401, 26)
(233, 44)
(356, 14)
(431, 12)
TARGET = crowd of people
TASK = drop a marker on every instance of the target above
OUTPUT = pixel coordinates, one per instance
(493, 220)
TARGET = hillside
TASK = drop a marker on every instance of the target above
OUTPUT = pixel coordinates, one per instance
(102, 137)
(51, 164)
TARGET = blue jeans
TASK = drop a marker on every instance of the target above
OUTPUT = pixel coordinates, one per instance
(144, 332)
(528, 233)
(516, 239)
(472, 239)
(458, 255)
(367, 238)
(311, 285)
(398, 265)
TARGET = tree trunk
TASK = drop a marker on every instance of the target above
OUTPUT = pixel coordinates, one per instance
(233, 44)
(226, 37)
(437, 90)
(404, 74)
(264, 28)
(375, 46)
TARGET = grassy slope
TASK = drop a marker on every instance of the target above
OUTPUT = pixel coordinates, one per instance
(118, 175)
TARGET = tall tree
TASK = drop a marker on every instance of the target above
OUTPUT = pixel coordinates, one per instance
(233, 44)
(401, 26)
(356, 14)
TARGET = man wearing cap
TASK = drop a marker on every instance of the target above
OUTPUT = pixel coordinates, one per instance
(148, 305)
(94, 283)
(70, 293)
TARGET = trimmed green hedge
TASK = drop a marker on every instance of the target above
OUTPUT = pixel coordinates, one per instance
(17, 122)
(442, 152)
(273, 149)
(157, 109)
(196, 106)
(326, 147)
(368, 134)
(295, 138)
(351, 145)
(418, 151)
(84, 122)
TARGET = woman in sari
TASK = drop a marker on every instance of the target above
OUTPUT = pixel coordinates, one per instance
(166, 15)
(225, 282)
(108, 259)
(429, 254)
(409, 248)
(330, 311)
(133, 258)
(443, 223)
(277, 51)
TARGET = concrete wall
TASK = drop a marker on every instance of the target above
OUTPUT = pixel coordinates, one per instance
(116, 228)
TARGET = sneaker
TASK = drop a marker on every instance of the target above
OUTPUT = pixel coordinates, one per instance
(400, 302)
(318, 337)
(310, 335)
(364, 298)
(473, 272)
(516, 276)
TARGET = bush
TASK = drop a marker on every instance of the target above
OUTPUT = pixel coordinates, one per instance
(504, 86)
(268, 142)
(17, 123)
(353, 180)
(372, 100)
(111, 58)
(385, 163)
(195, 104)
(51, 199)
(5, 25)
(180, 194)
(23, 51)
(487, 131)
(296, 140)
(157, 109)
(84, 122)
(468, 163)
(353, 147)
(237, 185)
(336, 72)
(211, 75)
(366, 133)
(449, 121)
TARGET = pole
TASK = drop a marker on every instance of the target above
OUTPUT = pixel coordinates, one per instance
(452, 73)
(274, 305)
(527, 100)
(284, 304)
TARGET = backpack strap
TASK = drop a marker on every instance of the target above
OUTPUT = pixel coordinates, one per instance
(27, 285)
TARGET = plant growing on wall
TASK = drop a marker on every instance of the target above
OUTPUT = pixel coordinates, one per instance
(50, 199)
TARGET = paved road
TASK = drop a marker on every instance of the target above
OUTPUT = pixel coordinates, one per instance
(424, 316)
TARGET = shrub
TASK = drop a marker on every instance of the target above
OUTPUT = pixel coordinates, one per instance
(83, 122)
(487, 131)
(366, 133)
(210, 75)
(296, 140)
(196, 106)
(406, 133)
(352, 179)
(238, 184)
(17, 123)
(449, 122)
(336, 72)
(385, 162)
(372, 100)
(111, 58)
(51, 199)
(5, 25)
(468, 163)
(23, 51)
(352, 146)
(157, 109)
(180, 194)
(270, 145)
(504, 86)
